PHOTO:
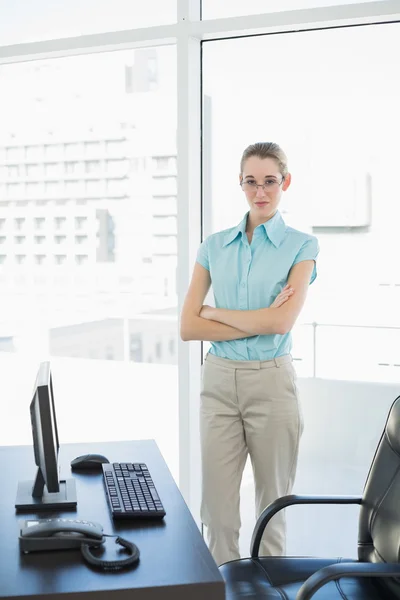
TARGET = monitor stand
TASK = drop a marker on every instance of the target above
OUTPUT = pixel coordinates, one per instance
(33, 495)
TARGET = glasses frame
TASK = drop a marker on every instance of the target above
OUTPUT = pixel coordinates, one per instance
(255, 186)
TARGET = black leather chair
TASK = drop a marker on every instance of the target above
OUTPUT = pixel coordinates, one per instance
(376, 573)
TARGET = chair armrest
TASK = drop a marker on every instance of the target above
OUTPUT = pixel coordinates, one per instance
(285, 501)
(323, 576)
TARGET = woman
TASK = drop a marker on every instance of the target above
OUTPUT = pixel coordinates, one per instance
(260, 271)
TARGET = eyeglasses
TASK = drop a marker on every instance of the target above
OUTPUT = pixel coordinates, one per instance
(268, 185)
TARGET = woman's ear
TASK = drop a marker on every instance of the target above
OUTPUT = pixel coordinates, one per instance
(240, 178)
(287, 182)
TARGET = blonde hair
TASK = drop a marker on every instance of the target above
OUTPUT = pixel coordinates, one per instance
(266, 150)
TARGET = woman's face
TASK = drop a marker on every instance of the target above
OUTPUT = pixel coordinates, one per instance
(263, 201)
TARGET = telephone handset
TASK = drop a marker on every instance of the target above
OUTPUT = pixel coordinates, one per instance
(59, 534)
(62, 534)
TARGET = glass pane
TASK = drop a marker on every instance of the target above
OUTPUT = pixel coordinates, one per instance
(88, 244)
(216, 9)
(36, 20)
(335, 113)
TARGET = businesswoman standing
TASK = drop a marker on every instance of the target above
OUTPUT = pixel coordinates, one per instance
(260, 271)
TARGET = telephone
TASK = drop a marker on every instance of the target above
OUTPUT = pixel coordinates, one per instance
(61, 534)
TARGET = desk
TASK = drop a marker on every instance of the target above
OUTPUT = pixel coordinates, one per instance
(175, 563)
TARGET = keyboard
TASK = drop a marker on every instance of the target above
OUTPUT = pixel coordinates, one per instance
(131, 492)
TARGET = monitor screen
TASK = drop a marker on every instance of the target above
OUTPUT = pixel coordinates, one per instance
(44, 429)
(47, 490)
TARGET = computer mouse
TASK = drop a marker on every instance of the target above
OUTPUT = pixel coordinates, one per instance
(89, 461)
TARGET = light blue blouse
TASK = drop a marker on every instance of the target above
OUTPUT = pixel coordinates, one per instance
(249, 276)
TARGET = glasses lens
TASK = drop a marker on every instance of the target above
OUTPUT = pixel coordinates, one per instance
(249, 187)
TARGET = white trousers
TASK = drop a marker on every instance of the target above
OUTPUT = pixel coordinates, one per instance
(247, 407)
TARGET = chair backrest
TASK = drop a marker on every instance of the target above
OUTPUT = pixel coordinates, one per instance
(379, 525)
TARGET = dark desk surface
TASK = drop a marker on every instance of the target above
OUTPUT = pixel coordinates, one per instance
(174, 560)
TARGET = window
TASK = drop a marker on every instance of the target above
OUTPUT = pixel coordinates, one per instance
(116, 187)
(164, 186)
(164, 163)
(71, 279)
(34, 153)
(95, 187)
(19, 222)
(60, 222)
(109, 353)
(135, 347)
(3, 258)
(43, 21)
(53, 170)
(164, 205)
(158, 350)
(60, 239)
(165, 245)
(348, 224)
(118, 167)
(75, 188)
(92, 166)
(115, 148)
(161, 163)
(53, 151)
(12, 171)
(33, 190)
(165, 225)
(81, 239)
(34, 170)
(14, 154)
(71, 168)
(81, 259)
(60, 259)
(19, 239)
(92, 149)
(15, 190)
(53, 189)
(39, 222)
(73, 150)
(80, 222)
(322, 108)
(20, 259)
(134, 165)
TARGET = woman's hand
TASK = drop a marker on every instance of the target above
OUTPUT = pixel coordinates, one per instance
(283, 296)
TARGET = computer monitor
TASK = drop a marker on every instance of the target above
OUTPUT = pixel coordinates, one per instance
(46, 491)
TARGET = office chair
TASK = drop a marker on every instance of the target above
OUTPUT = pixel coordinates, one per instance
(376, 573)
